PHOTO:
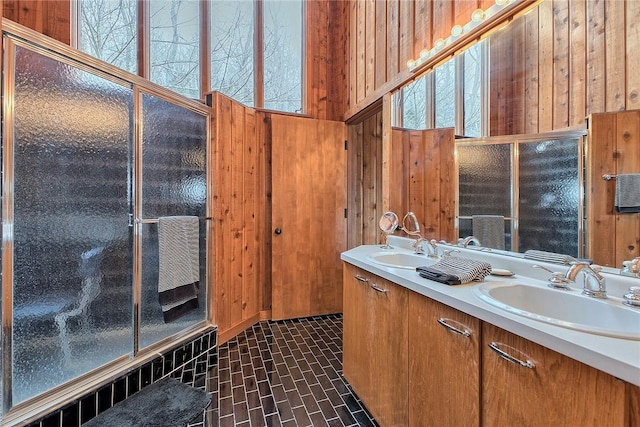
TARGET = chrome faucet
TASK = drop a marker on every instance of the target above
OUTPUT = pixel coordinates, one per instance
(467, 241)
(432, 250)
(594, 283)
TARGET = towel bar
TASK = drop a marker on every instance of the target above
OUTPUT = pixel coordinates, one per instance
(155, 220)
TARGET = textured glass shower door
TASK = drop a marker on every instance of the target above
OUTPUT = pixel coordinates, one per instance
(72, 247)
(174, 183)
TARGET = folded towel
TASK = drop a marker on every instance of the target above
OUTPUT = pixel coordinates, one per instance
(627, 199)
(179, 265)
(489, 230)
(452, 270)
(550, 257)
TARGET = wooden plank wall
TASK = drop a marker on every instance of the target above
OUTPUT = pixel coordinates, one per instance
(49, 17)
(421, 177)
(239, 206)
(613, 148)
(364, 181)
(326, 47)
(565, 60)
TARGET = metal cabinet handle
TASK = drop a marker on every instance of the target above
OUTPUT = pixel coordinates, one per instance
(361, 278)
(460, 329)
(378, 288)
(495, 346)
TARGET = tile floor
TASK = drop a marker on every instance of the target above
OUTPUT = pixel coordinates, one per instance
(286, 373)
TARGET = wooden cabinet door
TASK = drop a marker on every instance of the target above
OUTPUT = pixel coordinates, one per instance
(375, 344)
(388, 349)
(558, 391)
(356, 331)
(308, 217)
(444, 365)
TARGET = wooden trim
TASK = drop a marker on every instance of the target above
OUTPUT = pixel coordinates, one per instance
(265, 315)
(144, 38)
(226, 335)
(258, 54)
(205, 47)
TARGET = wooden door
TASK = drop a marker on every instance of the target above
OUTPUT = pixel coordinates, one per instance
(558, 391)
(444, 366)
(309, 198)
(423, 179)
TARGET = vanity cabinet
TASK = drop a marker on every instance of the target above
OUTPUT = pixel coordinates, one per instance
(550, 389)
(414, 361)
(444, 365)
(375, 360)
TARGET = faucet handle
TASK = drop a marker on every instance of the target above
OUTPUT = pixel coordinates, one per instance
(557, 279)
(632, 297)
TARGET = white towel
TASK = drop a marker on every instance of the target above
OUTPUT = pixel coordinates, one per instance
(627, 198)
(550, 257)
(179, 264)
(489, 230)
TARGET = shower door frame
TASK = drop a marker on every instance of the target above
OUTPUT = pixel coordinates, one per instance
(16, 35)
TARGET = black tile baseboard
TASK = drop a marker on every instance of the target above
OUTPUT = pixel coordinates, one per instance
(188, 362)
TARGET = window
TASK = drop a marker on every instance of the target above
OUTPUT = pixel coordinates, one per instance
(451, 95)
(232, 49)
(175, 41)
(473, 90)
(414, 96)
(108, 31)
(445, 95)
(283, 55)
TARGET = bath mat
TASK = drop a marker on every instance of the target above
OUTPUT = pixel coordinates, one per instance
(167, 403)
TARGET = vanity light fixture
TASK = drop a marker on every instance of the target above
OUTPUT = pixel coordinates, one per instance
(477, 15)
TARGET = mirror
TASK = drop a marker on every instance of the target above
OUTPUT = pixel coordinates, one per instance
(410, 224)
(518, 71)
(388, 224)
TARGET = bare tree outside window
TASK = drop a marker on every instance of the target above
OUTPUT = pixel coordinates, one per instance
(473, 90)
(232, 32)
(108, 31)
(445, 85)
(175, 41)
(414, 112)
(283, 55)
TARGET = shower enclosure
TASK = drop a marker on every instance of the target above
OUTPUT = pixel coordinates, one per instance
(534, 181)
(91, 157)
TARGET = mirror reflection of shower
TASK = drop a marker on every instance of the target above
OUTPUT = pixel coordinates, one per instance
(388, 224)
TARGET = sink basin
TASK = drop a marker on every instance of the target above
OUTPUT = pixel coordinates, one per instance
(569, 309)
(404, 260)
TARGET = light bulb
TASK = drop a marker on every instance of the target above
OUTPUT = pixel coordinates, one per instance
(477, 15)
(411, 63)
(456, 30)
(424, 54)
(501, 2)
(439, 44)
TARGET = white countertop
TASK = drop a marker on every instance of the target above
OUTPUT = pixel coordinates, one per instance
(615, 356)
